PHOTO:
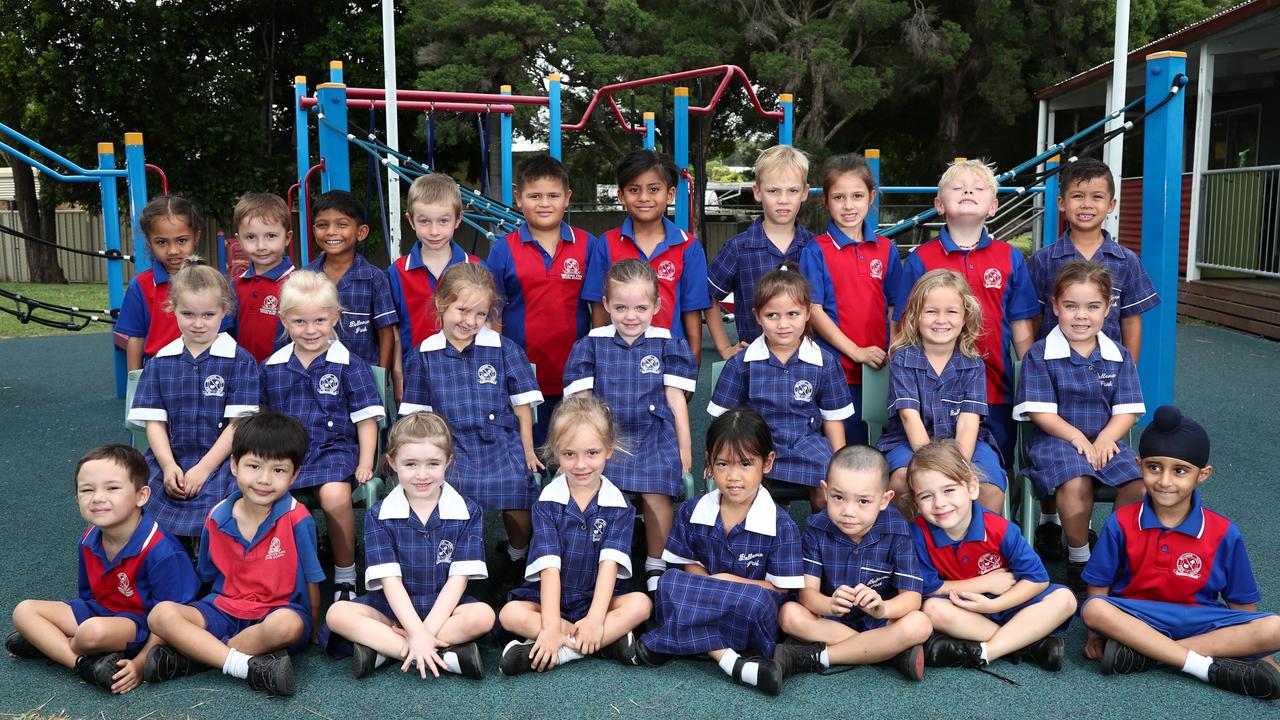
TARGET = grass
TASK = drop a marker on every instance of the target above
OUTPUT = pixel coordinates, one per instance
(90, 296)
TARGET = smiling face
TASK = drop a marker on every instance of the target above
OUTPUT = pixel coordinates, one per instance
(466, 316)
(262, 481)
(199, 316)
(738, 478)
(967, 199)
(780, 192)
(941, 318)
(310, 326)
(337, 233)
(582, 455)
(434, 225)
(783, 322)
(106, 495)
(944, 503)
(1170, 482)
(848, 200)
(1081, 309)
(1086, 204)
(543, 202)
(631, 307)
(171, 241)
(855, 499)
(265, 242)
(420, 467)
(646, 197)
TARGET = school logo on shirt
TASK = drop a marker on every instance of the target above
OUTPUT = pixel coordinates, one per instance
(649, 365)
(328, 384)
(487, 375)
(444, 553)
(1188, 565)
(214, 386)
(125, 588)
(751, 559)
(597, 529)
(571, 270)
(803, 391)
(989, 562)
(877, 269)
(666, 270)
(270, 305)
(274, 551)
(992, 279)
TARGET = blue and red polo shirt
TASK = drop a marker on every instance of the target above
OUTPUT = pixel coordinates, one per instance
(413, 290)
(679, 261)
(543, 312)
(855, 282)
(998, 276)
(990, 543)
(1202, 561)
(258, 314)
(145, 311)
(151, 568)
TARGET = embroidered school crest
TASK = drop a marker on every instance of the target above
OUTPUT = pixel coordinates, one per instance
(649, 365)
(571, 270)
(992, 278)
(877, 269)
(1188, 565)
(214, 386)
(989, 562)
(666, 270)
(597, 529)
(275, 550)
(125, 588)
(444, 553)
(803, 391)
(328, 384)
(487, 375)
(270, 305)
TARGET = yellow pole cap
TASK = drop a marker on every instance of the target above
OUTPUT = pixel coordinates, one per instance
(785, 97)
(505, 89)
(648, 116)
(554, 77)
(300, 79)
(1167, 54)
(872, 153)
(335, 64)
(330, 85)
(106, 149)
(682, 92)
(133, 138)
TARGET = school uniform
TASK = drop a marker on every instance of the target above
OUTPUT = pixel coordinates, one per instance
(196, 397)
(145, 312)
(1177, 580)
(475, 389)
(413, 293)
(794, 398)
(254, 577)
(884, 560)
(1086, 392)
(258, 308)
(633, 380)
(365, 295)
(151, 568)
(991, 543)
(1131, 290)
(961, 388)
(328, 397)
(679, 261)
(697, 614)
(575, 541)
(740, 264)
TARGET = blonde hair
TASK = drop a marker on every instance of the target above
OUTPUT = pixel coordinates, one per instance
(977, 167)
(196, 275)
(574, 412)
(909, 332)
(943, 457)
(303, 286)
(629, 271)
(782, 158)
(436, 189)
(419, 427)
(266, 207)
(463, 276)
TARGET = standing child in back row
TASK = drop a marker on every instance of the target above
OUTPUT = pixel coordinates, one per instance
(261, 222)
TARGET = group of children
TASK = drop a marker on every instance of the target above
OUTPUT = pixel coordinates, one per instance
(905, 561)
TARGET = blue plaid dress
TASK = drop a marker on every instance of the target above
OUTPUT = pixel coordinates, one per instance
(633, 380)
(1085, 392)
(740, 264)
(1131, 289)
(475, 390)
(794, 398)
(697, 614)
(328, 398)
(365, 295)
(196, 397)
(576, 541)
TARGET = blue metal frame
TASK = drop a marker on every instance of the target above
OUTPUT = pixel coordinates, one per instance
(650, 138)
(115, 270)
(786, 129)
(873, 161)
(1050, 221)
(553, 105)
(505, 125)
(135, 165)
(681, 137)
(336, 174)
(302, 143)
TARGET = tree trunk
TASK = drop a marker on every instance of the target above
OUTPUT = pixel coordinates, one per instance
(39, 219)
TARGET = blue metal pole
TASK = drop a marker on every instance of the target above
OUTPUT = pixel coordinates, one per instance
(221, 242)
(1162, 224)
(135, 165)
(302, 142)
(1050, 233)
(505, 132)
(333, 137)
(873, 160)
(335, 73)
(786, 129)
(553, 96)
(682, 156)
(111, 238)
(649, 139)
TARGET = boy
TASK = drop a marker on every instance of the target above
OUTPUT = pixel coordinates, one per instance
(127, 566)
(1170, 581)
(259, 551)
(539, 270)
(369, 318)
(646, 186)
(775, 238)
(861, 600)
(261, 222)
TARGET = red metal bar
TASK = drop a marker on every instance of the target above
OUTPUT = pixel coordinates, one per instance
(304, 196)
(437, 96)
(689, 179)
(288, 195)
(506, 108)
(164, 179)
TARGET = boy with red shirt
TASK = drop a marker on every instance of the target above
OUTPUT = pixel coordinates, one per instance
(262, 224)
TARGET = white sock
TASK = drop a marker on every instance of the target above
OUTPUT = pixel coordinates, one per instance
(237, 664)
(1197, 665)
(1046, 518)
(451, 662)
(750, 670)
(379, 660)
(1079, 554)
(344, 574)
(516, 553)
(567, 654)
(653, 563)
(985, 660)
(824, 658)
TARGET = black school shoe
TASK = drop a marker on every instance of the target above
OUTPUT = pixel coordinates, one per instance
(164, 663)
(1075, 578)
(1253, 678)
(1050, 544)
(641, 656)
(468, 654)
(364, 660)
(517, 658)
(769, 674)
(910, 663)
(1120, 659)
(946, 651)
(99, 669)
(795, 658)
(19, 646)
(1047, 653)
(271, 674)
(344, 592)
(619, 650)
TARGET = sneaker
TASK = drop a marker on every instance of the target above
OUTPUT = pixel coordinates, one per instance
(1047, 653)
(517, 658)
(20, 646)
(946, 651)
(271, 673)
(344, 592)
(469, 664)
(910, 663)
(99, 670)
(1075, 578)
(1254, 678)
(619, 650)
(1120, 659)
(797, 658)
(364, 660)
(164, 663)
(1050, 544)
(769, 674)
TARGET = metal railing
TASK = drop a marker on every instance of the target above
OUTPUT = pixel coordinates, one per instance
(1240, 225)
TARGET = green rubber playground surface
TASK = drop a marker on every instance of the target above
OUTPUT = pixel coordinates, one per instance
(57, 399)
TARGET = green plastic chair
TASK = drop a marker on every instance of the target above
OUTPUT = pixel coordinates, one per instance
(875, 400)
(137, 434)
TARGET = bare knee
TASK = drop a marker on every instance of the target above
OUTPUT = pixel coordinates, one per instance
(92, 635)
(163, 616)
(335, 497)
(638, 607)
(479, 618)
(915, 627)
(792, 616)
(938, 610)
(1095, 612)
(26, 611)
(1062, 601)
(286, 625)
(1268, 629)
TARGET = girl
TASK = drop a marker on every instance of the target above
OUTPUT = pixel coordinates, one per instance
(987, 593)
(937, 385)
(187, 399)
(1081, 390)
(642, 373)
(332, 393)
(484, 386)
(855, 274)
(797, 386)
(417, 609)
(572, 603)
(737, 555)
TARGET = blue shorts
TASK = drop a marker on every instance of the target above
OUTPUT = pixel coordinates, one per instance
(984, 456)
(855, 429)
(84, 611)
(1004, 616)
(548, 406)
(224, 626)
(1003, 429)
(1178, 621)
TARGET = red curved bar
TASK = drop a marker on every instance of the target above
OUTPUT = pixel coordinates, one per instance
(303, 195)
(164, 179)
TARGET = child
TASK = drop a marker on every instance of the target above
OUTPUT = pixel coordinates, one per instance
(1170, 580)
(540, 270)
(642, 373)
(737, 555)
(188, 398)
(127, 565)
(261, 222)
(776, 238)
(316, 380)
(855, 275)
(484, 387)
(861, 598)
(938, 386)
(417, 609)
(646, 186)
(796, 385)
(258, 549)
(996, 273)
(987, 594)
(574, 601)
(1083, 394)
(369, 318)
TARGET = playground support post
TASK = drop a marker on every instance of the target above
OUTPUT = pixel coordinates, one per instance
(505, 132)
(335, 72)
(302, 142)
(1161, 224)
(111, 238)
(786, 128)
(135, 165)
(683, 200)
(873, 161)
(333, 143)
(553, 105)
(392, 120)
(1049, 234)
(649, 136)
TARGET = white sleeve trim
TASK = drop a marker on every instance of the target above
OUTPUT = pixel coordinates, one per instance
(715, 410)
(675, 559)
(373, 411)
(141, 416)
(579, 385)
(474, 569)
(1138, 302)
(683, 383)
(790, 582)
(623, 560)
(410, 408)
(537, 566)
(373, 575)
(840, 414)
(235, 411)
(533, 397)
(899, 573)
(1022, 412)
(1135, 408)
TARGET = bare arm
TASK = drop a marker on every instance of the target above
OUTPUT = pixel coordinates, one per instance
(913, 425)
(967, 433)
(1131, 335)
(367, 438)
(599, 316)
(387, 346)
(684, 437)
(1024, 336)
(692, 320)
(446, 603)
(524, 414)
(834, 430)
(133, 352)
(829, 331)
(715, 326)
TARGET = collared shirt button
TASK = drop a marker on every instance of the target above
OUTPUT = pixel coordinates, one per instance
(330, 423)
(491, 416)
(652, 408)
